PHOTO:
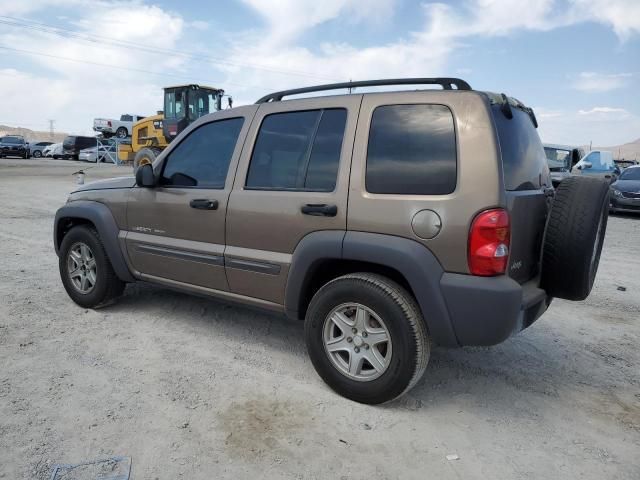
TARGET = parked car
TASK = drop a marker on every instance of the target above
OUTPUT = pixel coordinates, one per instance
(561, 159)
(54, 150)
(36, 149)
(597, 163)
(72, 145)
(625, 191)
(622, 163)
(120, 128)
(107, 153)
(387, 221)
(14, 146)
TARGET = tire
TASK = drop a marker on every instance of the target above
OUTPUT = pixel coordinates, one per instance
(406, 347)
(37, 154)
(122, 132)
(145, 155)
(574, 237)
(105, 287)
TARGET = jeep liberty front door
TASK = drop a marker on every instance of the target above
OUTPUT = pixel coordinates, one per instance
(177, 230)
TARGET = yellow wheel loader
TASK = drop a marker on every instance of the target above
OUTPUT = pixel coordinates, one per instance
(183, 105)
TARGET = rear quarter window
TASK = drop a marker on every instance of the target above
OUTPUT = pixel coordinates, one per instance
(411, 150)
(524, 162)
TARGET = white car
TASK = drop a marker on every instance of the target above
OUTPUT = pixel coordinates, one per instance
(107, 154)
(54, 150)
(120, 128)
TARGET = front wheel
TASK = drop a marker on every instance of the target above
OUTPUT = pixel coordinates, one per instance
(85, 269)
(366, 338)
(144, 156)
(37, 154)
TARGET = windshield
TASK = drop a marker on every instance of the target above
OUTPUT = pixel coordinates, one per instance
(558, 159)
(12, 140)
(630, 174)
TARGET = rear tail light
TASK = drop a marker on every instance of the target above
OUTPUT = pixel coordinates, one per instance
(109, 122)
(489, 243)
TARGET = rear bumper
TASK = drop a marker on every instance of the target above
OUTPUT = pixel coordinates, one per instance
(103, 129)
(488, 310)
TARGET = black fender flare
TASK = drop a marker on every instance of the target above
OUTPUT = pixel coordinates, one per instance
(102, 218)
(413, 260)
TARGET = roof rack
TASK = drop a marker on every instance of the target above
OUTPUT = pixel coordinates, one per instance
(445, 82)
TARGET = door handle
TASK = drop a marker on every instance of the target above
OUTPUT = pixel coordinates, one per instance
(204, 204)
(319, 210)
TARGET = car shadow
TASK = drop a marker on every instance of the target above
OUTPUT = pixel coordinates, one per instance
(530, 365)
(629, 215)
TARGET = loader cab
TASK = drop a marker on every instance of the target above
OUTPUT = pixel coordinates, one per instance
(184, 104)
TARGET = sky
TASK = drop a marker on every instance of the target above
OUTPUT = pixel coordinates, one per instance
(576, 62)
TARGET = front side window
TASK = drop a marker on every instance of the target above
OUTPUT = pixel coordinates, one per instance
(412, 150)
(594, 159)
(298, 151)
(202, 158)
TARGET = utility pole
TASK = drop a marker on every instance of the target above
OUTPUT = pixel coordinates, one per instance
(51, 122)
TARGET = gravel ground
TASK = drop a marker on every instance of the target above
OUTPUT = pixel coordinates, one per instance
(192, 388)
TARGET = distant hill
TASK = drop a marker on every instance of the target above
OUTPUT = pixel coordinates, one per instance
(628, 151)
(31, 135)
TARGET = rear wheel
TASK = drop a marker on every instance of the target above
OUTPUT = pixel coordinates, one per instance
(574, 237)
(37, 154)
(366, 338)
(85, 269)
(122, 132)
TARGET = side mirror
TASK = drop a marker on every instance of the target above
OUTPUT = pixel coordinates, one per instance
(587, 165)
(144, 176)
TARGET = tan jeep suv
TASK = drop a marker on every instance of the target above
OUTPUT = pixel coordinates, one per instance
(387, 221)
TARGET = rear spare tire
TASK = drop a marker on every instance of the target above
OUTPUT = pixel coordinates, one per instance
(574, 236)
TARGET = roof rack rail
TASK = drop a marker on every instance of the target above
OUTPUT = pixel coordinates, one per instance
(446, 83)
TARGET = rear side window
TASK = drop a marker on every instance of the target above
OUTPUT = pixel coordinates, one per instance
(524, 162)
(202, 159)
(412, 150)
(298, 151)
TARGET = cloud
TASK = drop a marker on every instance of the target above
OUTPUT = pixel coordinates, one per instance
(621, 15)
(601, 110)
(271, 55)
(601, 82)
(73, 92)
(287, 19)
(602, 125)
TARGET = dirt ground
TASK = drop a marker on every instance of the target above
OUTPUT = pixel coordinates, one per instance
(192, 388)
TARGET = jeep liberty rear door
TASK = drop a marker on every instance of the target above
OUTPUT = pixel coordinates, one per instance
(292, 180)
